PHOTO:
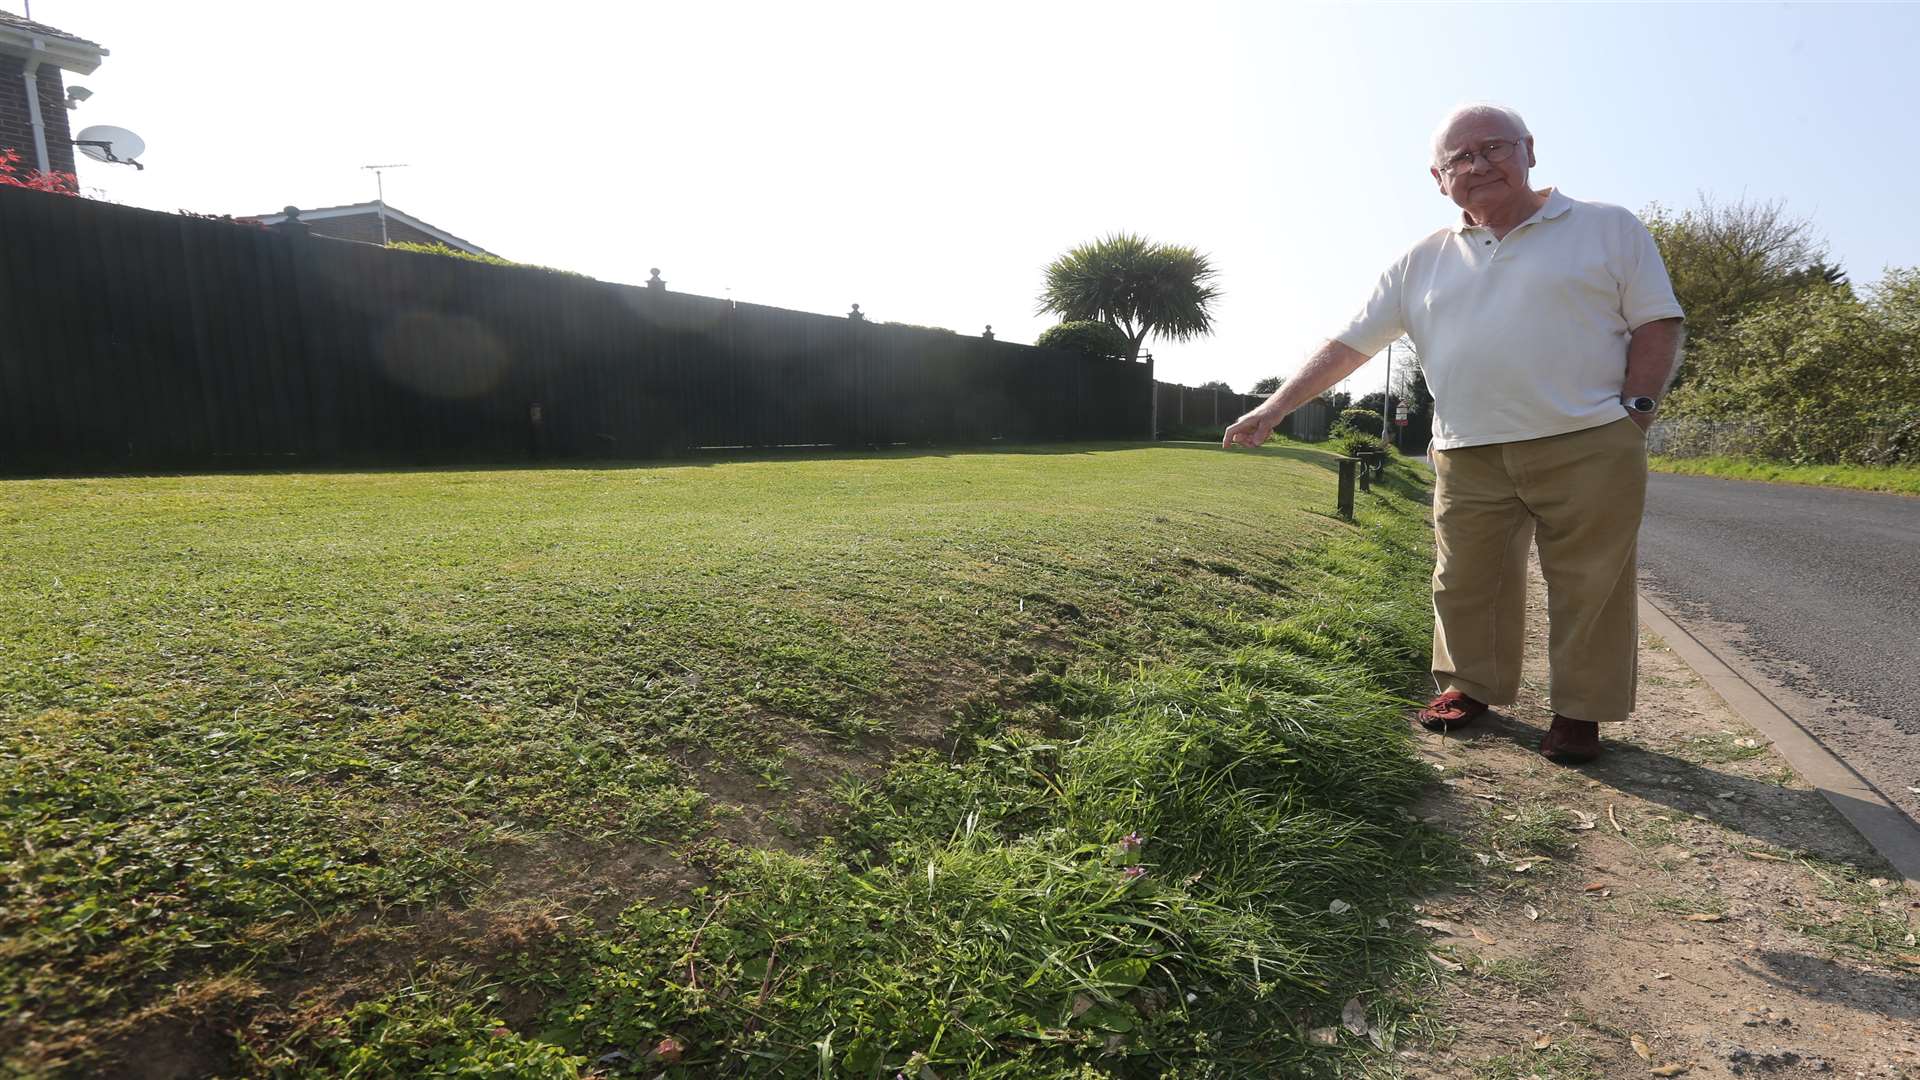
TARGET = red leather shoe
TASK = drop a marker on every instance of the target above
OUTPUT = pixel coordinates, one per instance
(1570, 741)
(1451, 710)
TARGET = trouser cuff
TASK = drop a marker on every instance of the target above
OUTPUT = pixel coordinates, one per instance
(1588, 711)
(1478, 692)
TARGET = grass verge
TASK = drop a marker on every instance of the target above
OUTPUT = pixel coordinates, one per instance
(1898, 479)
(261, 719)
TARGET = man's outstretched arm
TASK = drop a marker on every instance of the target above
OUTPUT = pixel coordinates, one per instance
(1328, 365)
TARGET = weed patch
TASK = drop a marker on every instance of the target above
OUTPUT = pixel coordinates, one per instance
(1179, 866)
(1721, 748)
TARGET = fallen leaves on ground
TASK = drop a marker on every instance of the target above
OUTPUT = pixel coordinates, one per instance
(1353, 1017)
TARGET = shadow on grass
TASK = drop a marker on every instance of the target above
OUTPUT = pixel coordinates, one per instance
(269, 466)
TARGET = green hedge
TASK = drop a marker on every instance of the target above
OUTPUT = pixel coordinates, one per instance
(1085, 336)
(472, 256)
(1820, 377)
(1365, 420)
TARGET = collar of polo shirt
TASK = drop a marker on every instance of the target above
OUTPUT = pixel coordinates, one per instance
(1555, 205)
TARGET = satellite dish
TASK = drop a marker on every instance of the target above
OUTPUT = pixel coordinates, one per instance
(104, 142)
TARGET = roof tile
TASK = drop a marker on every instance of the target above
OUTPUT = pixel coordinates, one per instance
(15, 22)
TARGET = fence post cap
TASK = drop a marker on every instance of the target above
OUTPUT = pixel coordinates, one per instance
(291, 223)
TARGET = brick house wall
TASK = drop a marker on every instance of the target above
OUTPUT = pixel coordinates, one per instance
(366, 229)
(16, 123)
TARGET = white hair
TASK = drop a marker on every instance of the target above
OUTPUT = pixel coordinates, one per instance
(1475, 109)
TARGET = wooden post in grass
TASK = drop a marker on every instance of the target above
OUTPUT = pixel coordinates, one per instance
(1347, 468)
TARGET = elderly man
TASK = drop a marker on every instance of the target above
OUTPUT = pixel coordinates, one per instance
(1548, 331)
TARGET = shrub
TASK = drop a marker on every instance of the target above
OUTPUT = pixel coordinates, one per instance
(1361, 420)
(1821, 377)
(1087, 337)
(14, 174)
(1351, 443)
(491, 260)
(917, 326)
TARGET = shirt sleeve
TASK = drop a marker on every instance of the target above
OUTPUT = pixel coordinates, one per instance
(1646, 294)
(1382, 319)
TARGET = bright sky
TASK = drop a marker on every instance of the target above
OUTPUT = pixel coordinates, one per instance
(927, 161)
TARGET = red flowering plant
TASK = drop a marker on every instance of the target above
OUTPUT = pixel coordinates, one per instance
(12, 174)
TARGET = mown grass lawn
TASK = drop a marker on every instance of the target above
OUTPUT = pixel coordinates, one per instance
(810, 767)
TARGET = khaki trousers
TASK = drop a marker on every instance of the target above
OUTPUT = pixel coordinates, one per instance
(1581, 495)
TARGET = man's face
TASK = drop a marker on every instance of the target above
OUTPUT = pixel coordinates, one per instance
(1480, 184)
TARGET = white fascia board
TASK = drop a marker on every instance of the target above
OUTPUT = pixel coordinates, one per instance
(60, 52)
(357, 209)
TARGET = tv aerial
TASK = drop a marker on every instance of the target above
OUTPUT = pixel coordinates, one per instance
(380, 196)
(104, 142)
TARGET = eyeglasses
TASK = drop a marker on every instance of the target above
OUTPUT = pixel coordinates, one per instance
(1495, 152)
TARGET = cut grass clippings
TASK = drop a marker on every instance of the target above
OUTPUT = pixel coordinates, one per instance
(1165, 833)
(1898, 479)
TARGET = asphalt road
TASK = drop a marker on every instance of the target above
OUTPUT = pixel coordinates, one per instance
(1819, 588)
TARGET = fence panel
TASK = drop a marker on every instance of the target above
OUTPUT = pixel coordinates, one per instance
(1195, 407)
(146, 340)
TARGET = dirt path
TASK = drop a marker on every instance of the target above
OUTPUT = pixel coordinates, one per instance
(1685, 906)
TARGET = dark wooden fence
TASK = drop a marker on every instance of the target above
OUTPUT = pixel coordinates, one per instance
(1185, 409)
(131, 339)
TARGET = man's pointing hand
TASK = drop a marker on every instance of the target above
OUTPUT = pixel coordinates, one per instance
(1251, 429)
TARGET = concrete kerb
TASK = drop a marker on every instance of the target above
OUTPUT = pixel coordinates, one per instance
(1891, 832)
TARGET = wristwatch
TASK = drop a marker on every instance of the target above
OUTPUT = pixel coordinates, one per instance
(1640, 404)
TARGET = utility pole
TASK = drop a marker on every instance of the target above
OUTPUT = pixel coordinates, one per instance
(1386, 399)
(380, 186)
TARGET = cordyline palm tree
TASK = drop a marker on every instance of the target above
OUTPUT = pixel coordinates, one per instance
(1137, 286)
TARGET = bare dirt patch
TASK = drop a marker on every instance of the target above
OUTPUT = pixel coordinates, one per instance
(1687, 905)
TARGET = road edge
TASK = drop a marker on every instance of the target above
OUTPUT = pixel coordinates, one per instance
(1882, 824)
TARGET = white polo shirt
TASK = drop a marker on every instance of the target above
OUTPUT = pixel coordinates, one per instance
(1522, 337)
